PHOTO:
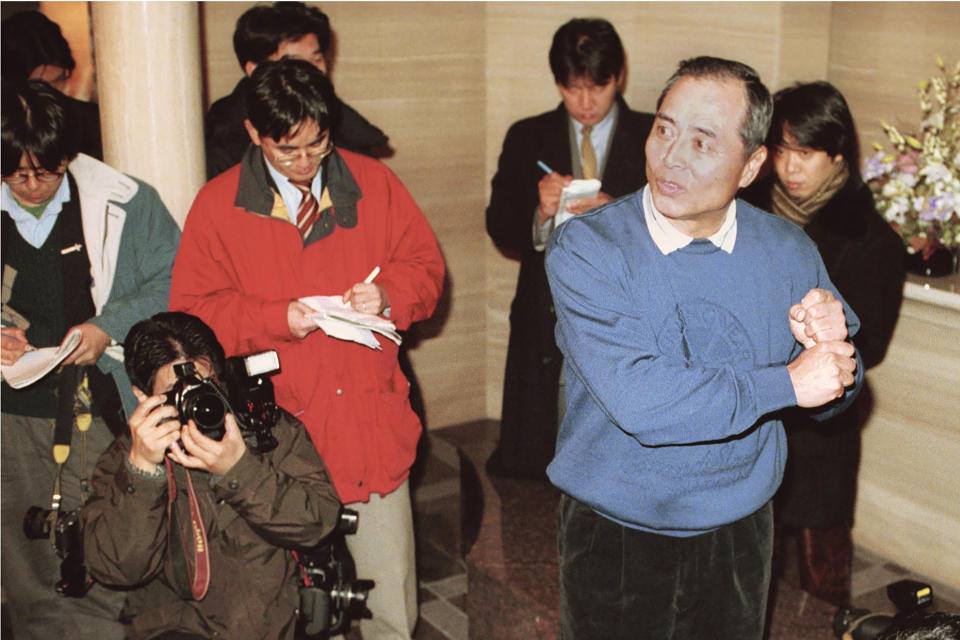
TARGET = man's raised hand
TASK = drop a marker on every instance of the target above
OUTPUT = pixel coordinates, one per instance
(818, 318)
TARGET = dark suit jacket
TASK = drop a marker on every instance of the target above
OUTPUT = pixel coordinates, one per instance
(529, 413)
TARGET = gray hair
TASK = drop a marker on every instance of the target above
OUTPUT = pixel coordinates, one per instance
(756, 121)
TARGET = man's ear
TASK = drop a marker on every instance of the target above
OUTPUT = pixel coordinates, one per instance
(622, 80)
(252, 131)
(249, 67)
(752, 167)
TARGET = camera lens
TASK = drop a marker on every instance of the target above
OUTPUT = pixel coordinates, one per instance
(206, 410)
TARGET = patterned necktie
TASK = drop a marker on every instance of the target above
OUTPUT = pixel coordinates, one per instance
(588, 158)
(309, 208)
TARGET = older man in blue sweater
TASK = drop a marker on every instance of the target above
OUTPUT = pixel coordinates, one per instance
(687, 320)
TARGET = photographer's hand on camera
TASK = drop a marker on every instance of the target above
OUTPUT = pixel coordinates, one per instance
(153, 428)
(197, 451)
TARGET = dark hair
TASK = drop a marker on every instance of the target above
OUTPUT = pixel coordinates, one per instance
(586, 47)
(261, 29)
(37, 122)
(817, 115)
(756, 120)
(30, 39)
(167, 337)
(283, 93)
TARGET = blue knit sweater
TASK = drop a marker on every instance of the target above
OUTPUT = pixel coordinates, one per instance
(675, 366)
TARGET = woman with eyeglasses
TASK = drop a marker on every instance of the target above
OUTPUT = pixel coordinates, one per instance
(816, 183)
(87, 250)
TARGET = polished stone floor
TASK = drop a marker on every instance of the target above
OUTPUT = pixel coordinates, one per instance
(488, 559)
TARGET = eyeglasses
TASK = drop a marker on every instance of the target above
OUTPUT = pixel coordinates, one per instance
(20, 176)
(318, 150)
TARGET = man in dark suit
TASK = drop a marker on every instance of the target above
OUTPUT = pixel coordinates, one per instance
(592, 134)
(271, 32)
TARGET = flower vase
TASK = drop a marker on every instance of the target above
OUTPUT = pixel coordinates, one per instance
(941, 262)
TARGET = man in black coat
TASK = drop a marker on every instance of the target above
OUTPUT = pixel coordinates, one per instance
(281, 30)
(592, 134)
(34, 49)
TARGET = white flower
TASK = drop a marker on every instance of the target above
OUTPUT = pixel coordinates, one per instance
(935, 172)
(896, 208)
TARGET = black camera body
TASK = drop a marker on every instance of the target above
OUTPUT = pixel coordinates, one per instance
(909, 596)
(62, 528)
(330, 595)
(246, 392)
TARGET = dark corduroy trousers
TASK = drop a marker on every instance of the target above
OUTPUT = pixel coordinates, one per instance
(619, 583)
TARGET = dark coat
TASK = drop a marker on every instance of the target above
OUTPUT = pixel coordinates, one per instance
(528, 423)
(864, 258)
(227, 138)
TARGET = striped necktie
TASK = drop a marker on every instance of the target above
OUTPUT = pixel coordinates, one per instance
(309, 209)
(588, 157)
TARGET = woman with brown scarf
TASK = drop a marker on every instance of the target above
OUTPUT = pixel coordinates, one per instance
(816, 184)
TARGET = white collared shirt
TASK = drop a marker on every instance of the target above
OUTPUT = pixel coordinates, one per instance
(668, 238)
(35, 230)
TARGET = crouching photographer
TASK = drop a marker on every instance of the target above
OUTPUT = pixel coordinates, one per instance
(196, 511)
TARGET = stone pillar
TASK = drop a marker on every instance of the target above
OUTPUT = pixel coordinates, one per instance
(149, 83)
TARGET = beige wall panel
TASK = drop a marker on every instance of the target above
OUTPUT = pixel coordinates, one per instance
(217, 22)
(879, 51)
(416, 71)
(803, 50)
(907, 506)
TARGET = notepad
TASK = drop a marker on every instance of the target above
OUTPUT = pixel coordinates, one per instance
(341, 321)
(33, 365)
(574, 191)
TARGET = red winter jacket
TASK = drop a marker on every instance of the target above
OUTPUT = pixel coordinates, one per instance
(239, 267)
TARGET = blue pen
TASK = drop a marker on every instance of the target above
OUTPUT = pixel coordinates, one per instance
(545, 168)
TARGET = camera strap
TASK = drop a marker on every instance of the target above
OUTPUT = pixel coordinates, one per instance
(74, 407)
(197, 558)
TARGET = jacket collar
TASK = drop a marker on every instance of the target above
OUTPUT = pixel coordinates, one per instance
(94, 176)
(255, 192)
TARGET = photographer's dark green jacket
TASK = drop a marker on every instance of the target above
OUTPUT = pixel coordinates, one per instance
(264, 506)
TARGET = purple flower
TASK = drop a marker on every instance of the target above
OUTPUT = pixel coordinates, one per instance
(875, 167)
(938, 207)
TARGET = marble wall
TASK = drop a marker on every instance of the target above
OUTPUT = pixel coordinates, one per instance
(908, 497)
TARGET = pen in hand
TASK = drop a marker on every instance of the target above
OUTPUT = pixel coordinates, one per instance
(543, 166)
(373, 274)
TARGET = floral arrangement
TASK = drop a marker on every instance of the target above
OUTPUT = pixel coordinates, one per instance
(916, 185)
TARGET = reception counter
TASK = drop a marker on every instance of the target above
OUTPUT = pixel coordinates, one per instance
(908, 501)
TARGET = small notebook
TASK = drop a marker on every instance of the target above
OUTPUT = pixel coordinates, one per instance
(339, 320)
(33, 365)
(574, 191)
